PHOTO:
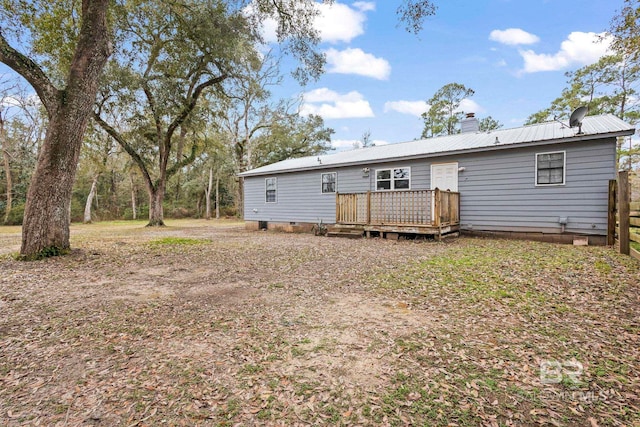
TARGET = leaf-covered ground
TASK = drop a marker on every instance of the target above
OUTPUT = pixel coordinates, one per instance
(204, 323)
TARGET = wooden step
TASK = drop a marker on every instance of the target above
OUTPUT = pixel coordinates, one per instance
(347, 236)
(350, 231)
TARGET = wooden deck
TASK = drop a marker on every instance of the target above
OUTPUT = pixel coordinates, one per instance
(431, 212)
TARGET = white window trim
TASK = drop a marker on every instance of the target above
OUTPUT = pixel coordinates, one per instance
(336, 187)
(564, 169)
(393, 187)
(265, 189)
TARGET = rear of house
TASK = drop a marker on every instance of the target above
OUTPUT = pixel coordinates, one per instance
(543, 180)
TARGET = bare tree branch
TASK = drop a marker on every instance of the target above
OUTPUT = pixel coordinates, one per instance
(28, 69)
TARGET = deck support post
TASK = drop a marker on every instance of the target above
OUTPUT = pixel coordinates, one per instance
(368, 207)
(437, 205)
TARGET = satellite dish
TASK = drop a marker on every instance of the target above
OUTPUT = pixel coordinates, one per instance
(576, 118)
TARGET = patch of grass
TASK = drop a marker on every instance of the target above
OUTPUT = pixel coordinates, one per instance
(264, 414)
(424, 401)
(231, 409)
(305, 388)
(408, 346)
(277, 285)
(606, 368)
(51, 251)
(60, 408)
(602, 267)
(175, 241)
(251, 369)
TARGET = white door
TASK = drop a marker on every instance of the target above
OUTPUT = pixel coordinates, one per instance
(444, 176)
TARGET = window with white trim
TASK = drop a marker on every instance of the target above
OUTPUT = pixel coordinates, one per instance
(550, 168)
(271, 188)
(329, 182)
(393, 179)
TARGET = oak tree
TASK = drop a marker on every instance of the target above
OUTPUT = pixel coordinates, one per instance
(61, 48)
(68, 102)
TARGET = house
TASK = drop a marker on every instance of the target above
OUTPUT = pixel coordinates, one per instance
(545, 181)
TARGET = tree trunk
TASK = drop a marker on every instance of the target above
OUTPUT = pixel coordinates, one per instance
(240, 197)
(45, 228)
(156, 214)
(113, 195)
(7, 171)
(87, 206)
(217, 197)
(179, 153)
(207, 194)
(134, 213)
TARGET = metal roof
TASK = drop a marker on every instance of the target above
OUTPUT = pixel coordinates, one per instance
(593, 127)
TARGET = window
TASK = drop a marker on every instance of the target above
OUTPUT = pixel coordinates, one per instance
(550, 168)
(393, 179)
(329, 181)
(271, 187)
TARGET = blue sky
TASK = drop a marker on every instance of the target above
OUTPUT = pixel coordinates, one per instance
(513, 53)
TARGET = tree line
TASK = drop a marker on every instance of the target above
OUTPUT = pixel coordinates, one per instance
(143, 106)
(146, 73)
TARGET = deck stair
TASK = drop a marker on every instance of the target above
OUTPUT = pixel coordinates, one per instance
(348, 231)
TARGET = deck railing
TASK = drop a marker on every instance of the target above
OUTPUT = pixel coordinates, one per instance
(431, 208)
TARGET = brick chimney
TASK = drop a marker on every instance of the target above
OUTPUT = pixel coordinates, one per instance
(469, 123)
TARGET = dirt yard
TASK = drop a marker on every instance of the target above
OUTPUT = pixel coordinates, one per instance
(204, 323)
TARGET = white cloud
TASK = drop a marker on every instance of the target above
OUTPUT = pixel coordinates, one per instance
(356, 61)
(579, 49)
(513, 36)
(365, 6)
(355, 143)
(333, 105)
(469, 106)
(344, 143)
(9, 101)
(268, 26)
(269, 30)
(338, 22)
(414, 108)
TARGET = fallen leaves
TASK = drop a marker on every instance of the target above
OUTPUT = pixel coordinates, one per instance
(262, 328)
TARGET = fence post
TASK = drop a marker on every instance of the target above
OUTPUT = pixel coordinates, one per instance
(623, 210)
(436, 208)
(611, 217)
(368, 207)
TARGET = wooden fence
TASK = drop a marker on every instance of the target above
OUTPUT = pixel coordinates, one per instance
(433, 208)
(627, 218)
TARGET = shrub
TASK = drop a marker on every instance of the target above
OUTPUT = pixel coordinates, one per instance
(16, 215)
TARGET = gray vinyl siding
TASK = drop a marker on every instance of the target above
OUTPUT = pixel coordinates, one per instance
(497, 188)
(299, 198)
(498, 191)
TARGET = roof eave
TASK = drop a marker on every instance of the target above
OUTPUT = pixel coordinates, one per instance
(584, 137)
